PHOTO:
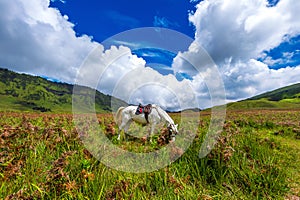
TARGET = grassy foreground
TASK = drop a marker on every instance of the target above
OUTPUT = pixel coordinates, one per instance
(257, 156)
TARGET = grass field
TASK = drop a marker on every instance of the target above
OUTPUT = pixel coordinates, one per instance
(257, 156)
(293, 103)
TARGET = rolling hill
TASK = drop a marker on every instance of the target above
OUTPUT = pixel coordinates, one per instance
(23, 92)
(288, 92)
(283, 98)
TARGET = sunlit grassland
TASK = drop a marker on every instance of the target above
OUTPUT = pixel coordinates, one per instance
(293, 103)
(257, 156)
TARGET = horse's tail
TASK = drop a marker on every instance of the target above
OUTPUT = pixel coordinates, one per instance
(118, 116)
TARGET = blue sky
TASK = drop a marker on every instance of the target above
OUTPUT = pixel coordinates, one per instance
(285, 55)
(255, 45)
(103, 19)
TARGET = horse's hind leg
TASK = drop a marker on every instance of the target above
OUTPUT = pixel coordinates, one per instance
(121, 127)
(125, 126)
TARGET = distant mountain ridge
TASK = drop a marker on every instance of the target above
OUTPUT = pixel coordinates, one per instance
(23, 92)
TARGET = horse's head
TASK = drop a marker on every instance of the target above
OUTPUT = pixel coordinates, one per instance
(173, 130)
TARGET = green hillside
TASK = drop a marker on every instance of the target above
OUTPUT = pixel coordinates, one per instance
(288, 92)
(265, 104)
(282, 98)
(22, 92)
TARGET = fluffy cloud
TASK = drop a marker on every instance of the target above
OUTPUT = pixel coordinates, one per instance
(39, 40)
(119, 73)
(245, 79)
(235, 34)
(149, 86)
(241, 30)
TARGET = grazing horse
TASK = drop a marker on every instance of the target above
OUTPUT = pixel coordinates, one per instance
(126, 115)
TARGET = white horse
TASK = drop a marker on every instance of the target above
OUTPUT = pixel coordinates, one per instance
(126, 115)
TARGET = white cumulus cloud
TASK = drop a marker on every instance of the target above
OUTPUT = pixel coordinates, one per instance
(38, 39)
(119, 73)
(235, 34)
(241, 30)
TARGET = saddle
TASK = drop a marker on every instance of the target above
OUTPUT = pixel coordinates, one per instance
(144, 109)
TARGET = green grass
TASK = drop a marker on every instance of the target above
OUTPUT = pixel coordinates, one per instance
(294, 101)
(265, 104)
(256, 157)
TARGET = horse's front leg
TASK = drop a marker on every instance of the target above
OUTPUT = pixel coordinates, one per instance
(126, 128)
(152, 128)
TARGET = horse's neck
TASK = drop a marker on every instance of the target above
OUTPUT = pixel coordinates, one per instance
(164, 115)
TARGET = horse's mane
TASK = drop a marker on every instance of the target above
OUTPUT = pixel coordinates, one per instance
(163, 114)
